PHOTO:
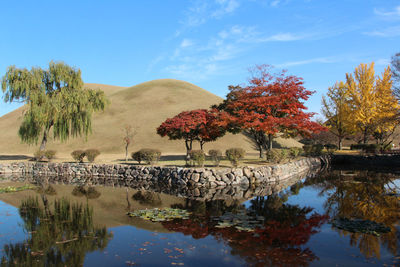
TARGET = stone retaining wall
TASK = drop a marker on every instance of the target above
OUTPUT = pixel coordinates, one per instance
(177, 176)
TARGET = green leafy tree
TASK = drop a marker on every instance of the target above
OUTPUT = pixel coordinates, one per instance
(55, 99)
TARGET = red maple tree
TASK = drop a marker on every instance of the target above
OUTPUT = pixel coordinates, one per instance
(196, 125)
(271, 103)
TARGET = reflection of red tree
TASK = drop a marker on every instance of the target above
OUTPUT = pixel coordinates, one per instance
(278, 243)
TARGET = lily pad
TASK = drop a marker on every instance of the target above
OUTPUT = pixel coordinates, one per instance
(360, 226)
(11, 189)
(160, 215)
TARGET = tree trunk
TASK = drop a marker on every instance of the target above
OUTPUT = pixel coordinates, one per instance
(340, 143)
(188, 144)
(44, 140)
(201, 145)
(126, 152)
(365, 136)
(270, 137)
(260, 150)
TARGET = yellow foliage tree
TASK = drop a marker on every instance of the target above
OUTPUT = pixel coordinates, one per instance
(336, 109)
(373, 106)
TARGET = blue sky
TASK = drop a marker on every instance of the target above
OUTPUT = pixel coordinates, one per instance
(209, 43)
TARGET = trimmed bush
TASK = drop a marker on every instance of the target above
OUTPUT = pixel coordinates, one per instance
(138, 156)
(331, 148)
(372, 148)
(147, 198)
(78, 155)
(91, 154)
(277, 155)
(150, 156)
(79, 191)
(38, 155)
(197, 156)
(92, 193)
(317, 149)
(50, 154)
(215, 155)
(313, 150)
(357, 146)
(308, 149)
(294, 152)
(234, 155)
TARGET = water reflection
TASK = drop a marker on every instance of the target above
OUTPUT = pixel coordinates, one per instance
(60, 234)
(278, 229)
(363, 195)
(279, 241)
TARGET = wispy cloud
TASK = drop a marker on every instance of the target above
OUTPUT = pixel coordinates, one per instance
(202, 11)
(387, 32)
(196, 60)
(308, 61)
(225, 7)
(242, 34)
(275, 3)
(392, 14)
(186, 43)
(382, 62)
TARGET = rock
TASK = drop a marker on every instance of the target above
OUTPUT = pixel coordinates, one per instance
(195, 177)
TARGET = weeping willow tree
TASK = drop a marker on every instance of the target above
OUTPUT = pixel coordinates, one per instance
(55, 99)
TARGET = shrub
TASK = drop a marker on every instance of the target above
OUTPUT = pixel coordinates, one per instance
(308, 149)
(371, 148)
(331, 148)
(138, 156)
(277, 155)
(234, 155)
(294, 152)
(91, 154)
(317, 149)
(150, 156)
(147, 198)
(78, 155)
(313, 150)
(49, 154)
(92, 193)
(215, 155)
(38, 155)
(50, 190)
(358, 146)
(197, 156)
(79, 191)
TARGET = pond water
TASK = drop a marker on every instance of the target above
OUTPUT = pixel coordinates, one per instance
(66, 225)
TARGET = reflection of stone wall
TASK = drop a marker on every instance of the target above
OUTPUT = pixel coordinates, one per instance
(240, 192)
(180, 177)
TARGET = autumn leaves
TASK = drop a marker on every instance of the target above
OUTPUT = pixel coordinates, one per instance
(364, 104)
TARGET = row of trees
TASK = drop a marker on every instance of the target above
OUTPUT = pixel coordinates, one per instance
(364, 104)
(271, 103)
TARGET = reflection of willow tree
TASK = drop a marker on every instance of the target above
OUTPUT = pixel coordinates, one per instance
(279, 242)
(364, 195)
(60, 236)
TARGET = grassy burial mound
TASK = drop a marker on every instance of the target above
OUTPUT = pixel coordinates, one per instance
(144, 106)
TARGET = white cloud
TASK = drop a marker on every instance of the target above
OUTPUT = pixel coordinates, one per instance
(382, 62)
(308, 61)
(186, 43)
(393, 14)
(201, 11)
(244, 34)
(225, 7)
(387, 32)
(275, 3)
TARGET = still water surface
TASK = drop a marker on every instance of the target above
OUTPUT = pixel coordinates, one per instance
(288, 228)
